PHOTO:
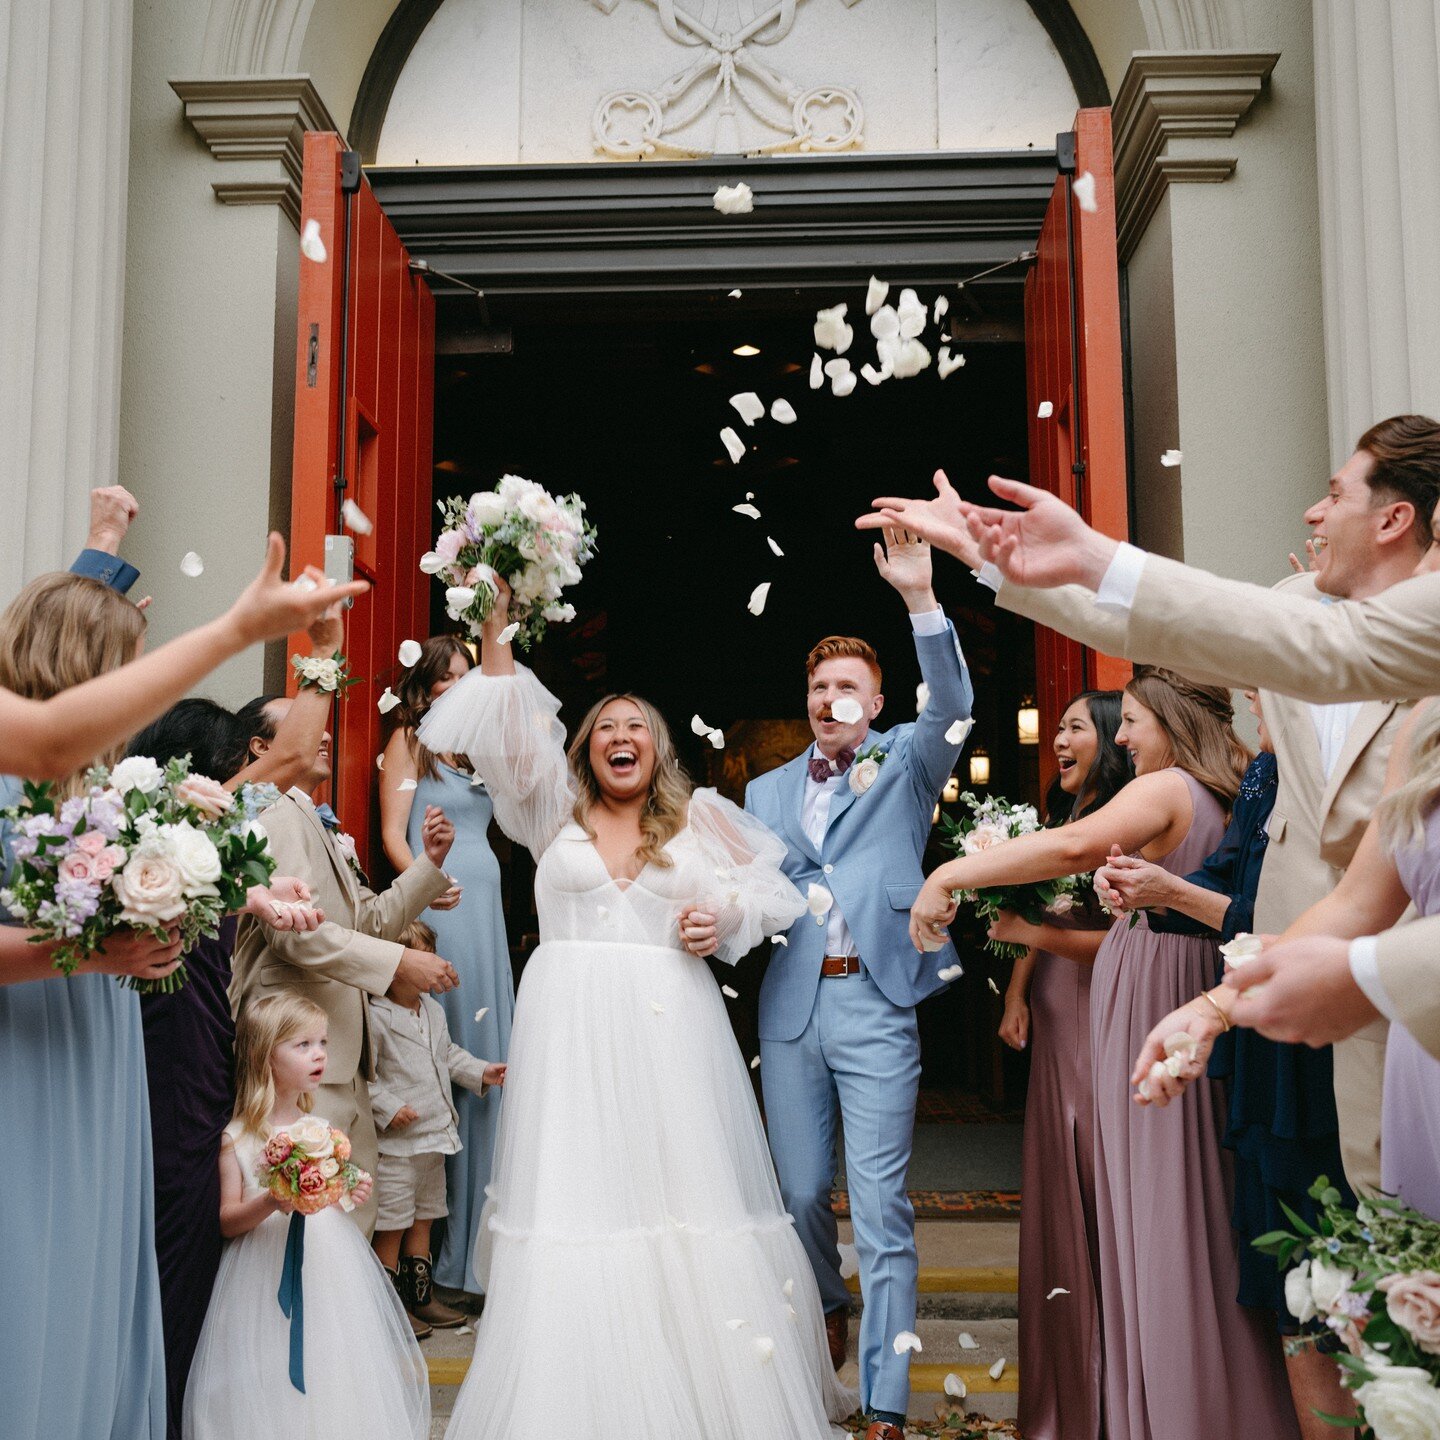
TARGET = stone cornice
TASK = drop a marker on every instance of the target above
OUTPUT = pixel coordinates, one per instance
(262, 119)
(1178, 95)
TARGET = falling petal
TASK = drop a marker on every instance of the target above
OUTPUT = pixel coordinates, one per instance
(990, 981)
(885, 323)
(749, 494)
(817, 373)
(818, 900)
(1171, 458)
(508, 633)
(874, 376)
(910, 359)
(465, 1330)
(842, 385)
(849, 1259)
(837, 367)
(192, 565)
(734, 199)
(764, 1348)
(951, 972)
(774, 548)
(831, 331)
(698, 726)
(847, 710)
(758, 596)
(747, 509)
(734, 444)
(716, 739)
(431, 563)
(906, 1340)
(736, 1324)
(1084, 189)
(782, 412)
(748, 405)
(912, 314)
(380, 761)
(312, 247)
(794, 1314)
(657, 1007)
(408, 785)
(475, 780)
(1046, 410)
(922, 697)
(947, 364)
(955, 1386)
(735, 294)
(1058, 1290)
(942, 307)
(387, 701)
(968, 1341)
(875, 294)
(459, 597)
(781, 940)
(956, 734)
(356, 519)
(729, 992)
(481, 1013)
(755, 1063)
(409, 653)
(788, 1289)
(998, 1368)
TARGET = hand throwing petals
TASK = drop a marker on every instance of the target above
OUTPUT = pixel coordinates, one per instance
(1084, 189)
(782, 412)
(746, 509)
(847, 710)
(734, 444)
(875, 294)
(734, 199)
(312, 247)
(356, 519)
(758, 596)
(409, 653)
(906, 1340)
(748, 405)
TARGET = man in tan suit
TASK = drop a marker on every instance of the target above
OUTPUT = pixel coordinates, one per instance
(355, 952)
(1158, 611)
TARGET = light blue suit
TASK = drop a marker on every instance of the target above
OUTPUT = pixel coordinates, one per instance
(851, 1044)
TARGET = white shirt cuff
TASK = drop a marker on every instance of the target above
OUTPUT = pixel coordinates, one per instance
(989, 575)
(1122, 579)
(1365, 967)
(929, 622)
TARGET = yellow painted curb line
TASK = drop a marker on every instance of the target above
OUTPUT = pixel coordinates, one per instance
(974, 1279)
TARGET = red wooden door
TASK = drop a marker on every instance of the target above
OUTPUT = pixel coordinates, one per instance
(1073, 362)
(383, 391)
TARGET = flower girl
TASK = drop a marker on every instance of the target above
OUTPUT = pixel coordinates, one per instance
(346, 1340)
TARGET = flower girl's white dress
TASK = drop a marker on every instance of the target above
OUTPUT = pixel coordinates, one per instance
(365, 1378)
(643, 1277)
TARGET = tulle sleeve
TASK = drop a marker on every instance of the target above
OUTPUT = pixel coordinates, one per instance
(750, 895)
(507, 726)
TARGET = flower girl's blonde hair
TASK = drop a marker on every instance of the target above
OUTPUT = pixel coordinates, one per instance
(264, 1025)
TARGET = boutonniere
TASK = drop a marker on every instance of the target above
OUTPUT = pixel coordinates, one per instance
(346, 844)
(866, 769)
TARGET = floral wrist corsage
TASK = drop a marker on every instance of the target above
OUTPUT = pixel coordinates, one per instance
(318, 673)
(866, 769)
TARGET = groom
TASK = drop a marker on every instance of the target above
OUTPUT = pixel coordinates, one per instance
(837, 1007)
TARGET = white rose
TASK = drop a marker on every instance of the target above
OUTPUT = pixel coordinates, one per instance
(537, 506)
(1401, 1403)
(137, 772)
(487, 508)
(196, 856)
(984, 836)
(150, 890)
(458, 599)
(558, 612)
(254, 827)
(312, 1134)
(329, 1167)
(1298, 1298)
(1242, 949)
(1329, 1284)
(1061, 905)
(863, 774)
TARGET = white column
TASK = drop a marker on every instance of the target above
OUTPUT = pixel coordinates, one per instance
(64, 153)
(1377, 103)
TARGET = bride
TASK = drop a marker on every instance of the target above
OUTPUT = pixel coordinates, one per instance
(643, 1277)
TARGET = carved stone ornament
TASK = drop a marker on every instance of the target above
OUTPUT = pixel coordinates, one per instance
(726, 77)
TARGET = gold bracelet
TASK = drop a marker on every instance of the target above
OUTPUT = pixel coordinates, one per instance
(1224, 1018)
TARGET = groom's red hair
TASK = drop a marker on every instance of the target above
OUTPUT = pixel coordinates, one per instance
(843, 647)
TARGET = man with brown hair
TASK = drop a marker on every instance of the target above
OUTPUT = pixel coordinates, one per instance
(838, 1037)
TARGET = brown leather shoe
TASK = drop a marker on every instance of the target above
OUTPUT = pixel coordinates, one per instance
(884, 1430)
(837, 1332)
(419, 1327)
(418, 1290)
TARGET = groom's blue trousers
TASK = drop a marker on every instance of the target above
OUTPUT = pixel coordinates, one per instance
(858, 1058)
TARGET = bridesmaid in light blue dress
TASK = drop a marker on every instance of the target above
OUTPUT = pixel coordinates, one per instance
(470, 934)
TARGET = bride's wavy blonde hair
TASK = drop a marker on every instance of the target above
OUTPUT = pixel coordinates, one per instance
(1402, 814)
(264, 1025)
(667, 806)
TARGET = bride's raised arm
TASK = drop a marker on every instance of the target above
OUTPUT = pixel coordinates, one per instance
(749, 896)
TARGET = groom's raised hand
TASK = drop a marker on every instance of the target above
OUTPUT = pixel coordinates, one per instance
(1043, 544)
(904, 564)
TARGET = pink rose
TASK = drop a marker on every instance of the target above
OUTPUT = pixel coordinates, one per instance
(151, 890)
(1413, 1303)
(278, 1148)
(449, 545)
(92, 842)
(207, 796)
(312, 1182)
(104, 864)
(77, 866)
(984, 836)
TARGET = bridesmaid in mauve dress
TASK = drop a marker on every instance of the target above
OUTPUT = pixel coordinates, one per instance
(1047, 1010)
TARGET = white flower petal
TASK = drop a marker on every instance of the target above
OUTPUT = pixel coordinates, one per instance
(875, 294)
(193, 566)
(817, 373)
(782, 412)
(459, 597)
(942, 307)
(885, 323)
(312, 247)
(874, 376)
(1058, 1290)
(831, 331)
(716, 739)
(657, 1007)
(476, 780)
(1181, 1042)
(922, 697)
(818, 900)
(729, 992)
(380, 761)
(955, 1386)
(774, 548)
(734, 199)
(788, 1289)
(734, 444)
(1084, 190)
(409, 653)
(849, 1259)
(758, 596)
(781, 940)
(1046, 410)
(749, 494)
(736, 1324)
(356, 519)
(990, 981)
(998, 1368)
(847, 710)
(1171, 458)
(837, 367)
(1244, 948)
(387, 701)
(508, 633)
(912, 315)
(408, 785)
(956, 734)
(951, 972)
(948, 364)
(735, 294)
(910, 359)
(906, 1340)
(431, 563)
(749, 510)
(764, 1348)
(755, 1063)
(481, 1013)
(748, 405)
(698, 726)
(842, 385)
(465, 1330)
(967, 1341)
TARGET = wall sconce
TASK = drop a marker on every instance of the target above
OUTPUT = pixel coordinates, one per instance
(1027, 723)
(951, 793)
(979, 768)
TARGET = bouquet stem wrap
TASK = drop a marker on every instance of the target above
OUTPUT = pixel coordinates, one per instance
(292, 1297)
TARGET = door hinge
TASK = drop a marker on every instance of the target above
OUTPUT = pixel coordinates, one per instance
(312, 357)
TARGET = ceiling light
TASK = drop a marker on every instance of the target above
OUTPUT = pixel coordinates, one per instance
(746, 350)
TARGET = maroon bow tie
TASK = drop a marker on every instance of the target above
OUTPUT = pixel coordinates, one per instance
(822, 769)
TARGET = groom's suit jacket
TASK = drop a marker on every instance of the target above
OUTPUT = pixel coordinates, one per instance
(870, 857)
(1227, 632)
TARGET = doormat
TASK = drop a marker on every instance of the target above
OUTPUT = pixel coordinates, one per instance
(949, 1204)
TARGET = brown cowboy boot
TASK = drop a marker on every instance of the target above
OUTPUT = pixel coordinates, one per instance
(837, 1332)
(418, 1291)
(420, 1328)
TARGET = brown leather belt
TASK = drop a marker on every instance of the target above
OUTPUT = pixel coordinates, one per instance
(833, 965)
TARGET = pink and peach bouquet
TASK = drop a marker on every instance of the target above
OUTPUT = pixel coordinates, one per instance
(518, 531)
(141, 845)
(307, 1164)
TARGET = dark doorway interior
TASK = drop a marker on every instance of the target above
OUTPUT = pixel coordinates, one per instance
(623, 400)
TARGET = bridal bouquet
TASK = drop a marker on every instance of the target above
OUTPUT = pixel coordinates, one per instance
(521, 532)
(1372, 1275)
(992, 822)
(307, 1163)
(140, 846)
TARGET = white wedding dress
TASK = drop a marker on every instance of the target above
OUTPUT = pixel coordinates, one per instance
(642, 1277)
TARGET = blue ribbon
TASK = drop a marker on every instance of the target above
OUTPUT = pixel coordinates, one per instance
(292, 1297)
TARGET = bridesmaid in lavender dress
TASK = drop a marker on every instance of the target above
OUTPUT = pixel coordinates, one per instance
(1183, 1361)
(1047, 1010)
